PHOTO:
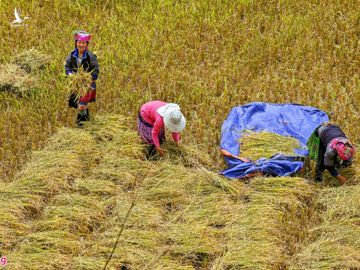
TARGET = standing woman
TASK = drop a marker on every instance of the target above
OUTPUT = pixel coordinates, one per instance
(331, 149)
(153, 118)
(82, 57)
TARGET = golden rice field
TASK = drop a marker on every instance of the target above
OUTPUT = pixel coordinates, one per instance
(68, 194)
(70, 202)
(207, 56)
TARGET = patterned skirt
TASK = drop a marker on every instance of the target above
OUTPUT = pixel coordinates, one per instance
(145, 129)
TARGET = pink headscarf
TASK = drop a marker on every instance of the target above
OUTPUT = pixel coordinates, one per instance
(344, 148)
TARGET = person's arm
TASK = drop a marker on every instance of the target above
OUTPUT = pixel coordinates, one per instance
(158, 125)
(176, 136)
(341, 179)
(329, 162)
(68, 69)
(334, 172)
(95, 69)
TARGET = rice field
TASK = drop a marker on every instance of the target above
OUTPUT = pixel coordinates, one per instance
(67, 194)
(206, 56)
(70, 202)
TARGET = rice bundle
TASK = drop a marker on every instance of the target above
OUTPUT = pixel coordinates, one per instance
(15, 77)
(45, 250)
(79, 83)
(255, 145)
(12, 225)
(15, 80)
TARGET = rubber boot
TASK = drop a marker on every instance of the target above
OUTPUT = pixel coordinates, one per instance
(78, 121)
(87, 116)
(82, 117)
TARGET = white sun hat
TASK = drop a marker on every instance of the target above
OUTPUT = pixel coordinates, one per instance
(174, 120)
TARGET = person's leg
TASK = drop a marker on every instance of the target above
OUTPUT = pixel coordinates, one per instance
(82, 114)
(320, 165)
(145, 133)
(151, 151)
(87, 114)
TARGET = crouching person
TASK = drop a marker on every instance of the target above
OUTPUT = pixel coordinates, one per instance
(153, 118)
(331, 149)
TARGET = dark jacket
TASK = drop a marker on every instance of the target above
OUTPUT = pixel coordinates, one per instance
(329, 133)
(89, 63)
(328, 158)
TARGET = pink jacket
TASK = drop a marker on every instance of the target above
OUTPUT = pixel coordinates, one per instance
(149, 114)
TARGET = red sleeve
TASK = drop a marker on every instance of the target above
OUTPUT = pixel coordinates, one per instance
(176, 136)
(158, 125)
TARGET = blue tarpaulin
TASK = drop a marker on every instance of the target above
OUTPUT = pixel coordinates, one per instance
(293, 120)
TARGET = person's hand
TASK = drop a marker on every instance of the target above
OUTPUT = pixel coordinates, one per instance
(161, 151)
(254, 174)
(341, 179)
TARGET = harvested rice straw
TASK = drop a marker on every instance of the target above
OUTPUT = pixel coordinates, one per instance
(12, 227)
(15, 80)
(46, 174)
(49, 172)
(255, 145)
(187, 155)
(334, 242)
(31, 60)
(74, 213)
(45, 250)
(185, 216)
(95, 186)
(265, 233)
(41, 259)
(77, 140)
